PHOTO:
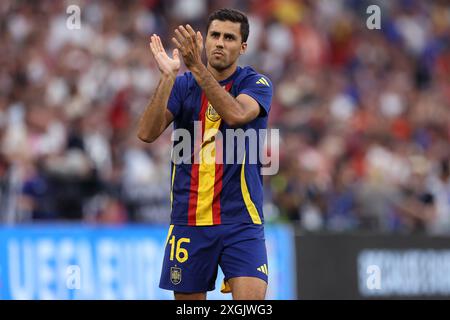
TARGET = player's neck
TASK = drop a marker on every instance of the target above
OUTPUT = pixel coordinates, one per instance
(220, 75)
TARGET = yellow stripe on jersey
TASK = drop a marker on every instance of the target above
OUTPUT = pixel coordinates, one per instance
(246, 196)
(207, 169)
(171, 188)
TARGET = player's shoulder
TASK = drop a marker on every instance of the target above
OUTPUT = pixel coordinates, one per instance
(250, 76)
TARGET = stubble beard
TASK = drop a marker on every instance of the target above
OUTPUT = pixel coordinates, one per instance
(219, 65)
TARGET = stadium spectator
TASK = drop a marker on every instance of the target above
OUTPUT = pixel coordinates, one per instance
(354, 106)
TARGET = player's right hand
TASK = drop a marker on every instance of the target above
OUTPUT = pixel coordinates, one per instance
(166, 65)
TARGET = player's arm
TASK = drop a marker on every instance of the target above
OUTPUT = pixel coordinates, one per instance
(234, 111)
(156, 117)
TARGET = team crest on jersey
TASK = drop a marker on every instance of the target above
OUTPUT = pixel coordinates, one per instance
(212, 114)
(175, 275)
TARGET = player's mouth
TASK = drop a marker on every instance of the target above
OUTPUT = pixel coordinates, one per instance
(218, 53)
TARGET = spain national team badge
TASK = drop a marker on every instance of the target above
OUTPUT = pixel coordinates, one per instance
(175, 275)
(212, 114)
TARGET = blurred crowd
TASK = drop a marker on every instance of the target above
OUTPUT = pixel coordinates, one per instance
(364, 115)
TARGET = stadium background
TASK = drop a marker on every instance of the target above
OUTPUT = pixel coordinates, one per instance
(364, 121)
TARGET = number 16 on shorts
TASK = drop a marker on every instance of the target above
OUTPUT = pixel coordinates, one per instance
(181, 254)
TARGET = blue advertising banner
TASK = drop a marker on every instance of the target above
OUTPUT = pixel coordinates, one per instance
(86, 262)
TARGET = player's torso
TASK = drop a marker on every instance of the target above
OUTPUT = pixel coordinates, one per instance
(211, 186)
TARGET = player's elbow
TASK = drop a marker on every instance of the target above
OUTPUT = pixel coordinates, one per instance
(148, 133)
(242, 115)
(234, 123)
(146, 138)
(237, 120)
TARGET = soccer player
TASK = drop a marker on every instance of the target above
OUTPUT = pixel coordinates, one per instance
(216, 217)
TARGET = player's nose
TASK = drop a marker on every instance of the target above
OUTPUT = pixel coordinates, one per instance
(219, 43)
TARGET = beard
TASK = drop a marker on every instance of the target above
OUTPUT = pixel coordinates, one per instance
(219, 65)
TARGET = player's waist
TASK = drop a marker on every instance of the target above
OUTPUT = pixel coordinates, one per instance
(184, 221)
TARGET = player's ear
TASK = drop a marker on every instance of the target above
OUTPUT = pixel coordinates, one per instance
(243, 47)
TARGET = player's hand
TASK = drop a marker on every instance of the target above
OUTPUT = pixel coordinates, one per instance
(166, 65)
(190, 44)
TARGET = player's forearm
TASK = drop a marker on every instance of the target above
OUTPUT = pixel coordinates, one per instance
(153, 121)
(231, 111)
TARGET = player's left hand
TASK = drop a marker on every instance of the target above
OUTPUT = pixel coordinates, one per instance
(190, 45)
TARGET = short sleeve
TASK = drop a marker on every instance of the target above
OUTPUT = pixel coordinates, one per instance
(176, 98)
(259, 88)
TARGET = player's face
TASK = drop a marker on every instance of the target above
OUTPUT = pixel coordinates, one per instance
(224, 44)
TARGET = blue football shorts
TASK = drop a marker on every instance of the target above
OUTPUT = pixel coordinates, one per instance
(194, 253)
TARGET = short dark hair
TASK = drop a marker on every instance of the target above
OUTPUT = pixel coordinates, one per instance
(233, 16)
